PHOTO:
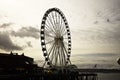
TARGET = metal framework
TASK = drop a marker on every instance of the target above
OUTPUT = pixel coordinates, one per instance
(55, 38)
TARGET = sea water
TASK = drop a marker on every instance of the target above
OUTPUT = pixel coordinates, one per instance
(109, 76)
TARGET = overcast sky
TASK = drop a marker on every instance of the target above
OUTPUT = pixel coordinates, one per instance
(94, 24)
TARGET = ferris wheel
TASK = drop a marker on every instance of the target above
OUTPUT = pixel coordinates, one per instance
(55, 38)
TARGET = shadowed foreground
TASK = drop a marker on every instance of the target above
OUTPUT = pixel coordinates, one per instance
(20, 67)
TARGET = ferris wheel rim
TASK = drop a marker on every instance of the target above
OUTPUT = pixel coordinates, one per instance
(43, 42)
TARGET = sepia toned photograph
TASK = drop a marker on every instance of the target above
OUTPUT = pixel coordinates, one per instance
(59, 39)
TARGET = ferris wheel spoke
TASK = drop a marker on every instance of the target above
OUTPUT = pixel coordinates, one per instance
(65, 33)
(47, 39)
(49, 29)
(53, 17)
(52, 55)
(56, 17)
(56, 56)
(62, 54)
(59, 24)
(50, 49)
(50, 26)
(65, 43)
(55, 21)
(60, 57)
(63, 29)
(65, 49)
(49, 42)
(65, 38)
(44, 63)
(62, 23)
(48, 35)
(52, 22)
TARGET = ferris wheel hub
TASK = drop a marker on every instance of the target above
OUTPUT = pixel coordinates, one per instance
(59, 38)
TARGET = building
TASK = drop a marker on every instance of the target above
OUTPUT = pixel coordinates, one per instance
(13, 63)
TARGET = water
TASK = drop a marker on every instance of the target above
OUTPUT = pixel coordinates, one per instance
(109, 76)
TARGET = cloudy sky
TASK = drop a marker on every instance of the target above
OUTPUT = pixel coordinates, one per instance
(94, 24)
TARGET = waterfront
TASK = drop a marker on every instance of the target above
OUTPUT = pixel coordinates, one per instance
(109, 76)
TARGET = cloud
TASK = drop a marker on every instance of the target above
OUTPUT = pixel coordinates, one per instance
(102, 34)
(5, 25)
(6, 43)
(29, 44)
(97, 55)
(26, 32)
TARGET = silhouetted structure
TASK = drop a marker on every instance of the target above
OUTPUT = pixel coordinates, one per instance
(21, 67)
(118, 61)
(17, 67)
(55, 39)
(14, 62)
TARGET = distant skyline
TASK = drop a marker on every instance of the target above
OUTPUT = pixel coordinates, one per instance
(94, 25)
